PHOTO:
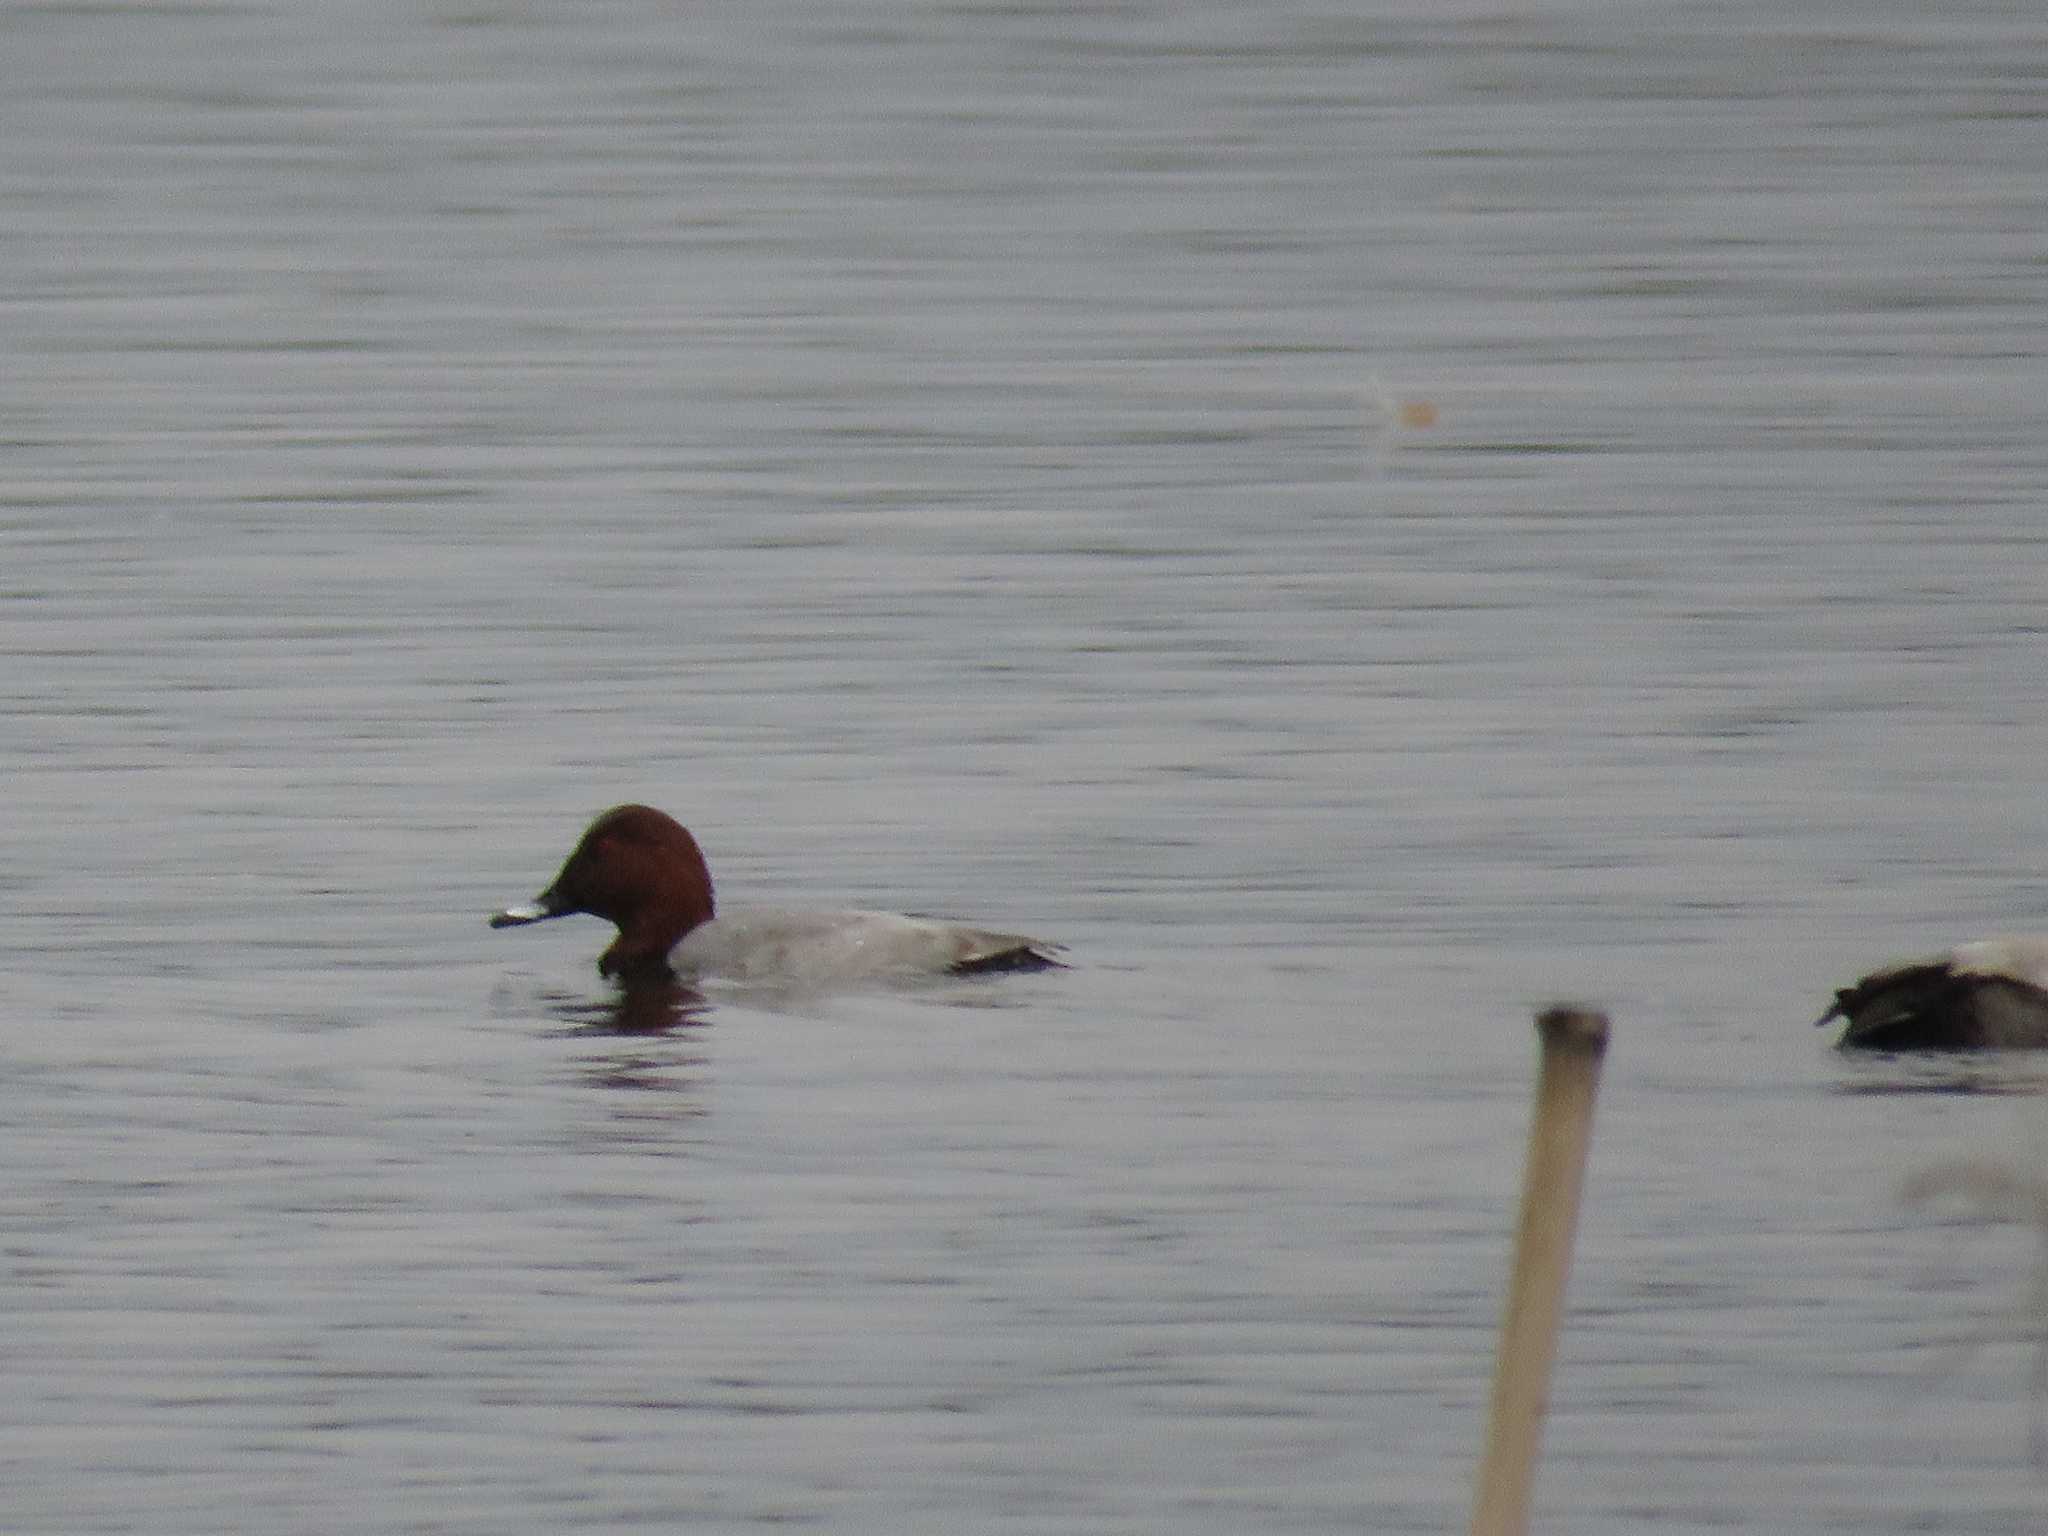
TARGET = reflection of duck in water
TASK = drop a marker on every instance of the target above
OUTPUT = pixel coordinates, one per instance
(640, 869)
(1990, 995)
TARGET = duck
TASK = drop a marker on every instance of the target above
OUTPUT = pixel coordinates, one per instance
(639, 869)
(1988, 995)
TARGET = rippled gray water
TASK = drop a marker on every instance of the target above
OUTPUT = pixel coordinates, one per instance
(977, 458)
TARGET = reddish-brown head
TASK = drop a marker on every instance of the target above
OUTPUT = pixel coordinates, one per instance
(640, 869)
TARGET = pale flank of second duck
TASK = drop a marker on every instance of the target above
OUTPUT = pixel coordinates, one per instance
(640, 869)
(1991, 995)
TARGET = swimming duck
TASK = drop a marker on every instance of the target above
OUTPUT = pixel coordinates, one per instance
(1988, 995)
(640, 869)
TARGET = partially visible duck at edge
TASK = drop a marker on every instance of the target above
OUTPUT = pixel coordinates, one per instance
(1988, 996)
(640, 869)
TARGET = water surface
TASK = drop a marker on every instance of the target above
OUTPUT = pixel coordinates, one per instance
(954, 457)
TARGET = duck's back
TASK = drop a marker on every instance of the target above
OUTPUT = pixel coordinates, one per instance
(821, 948)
